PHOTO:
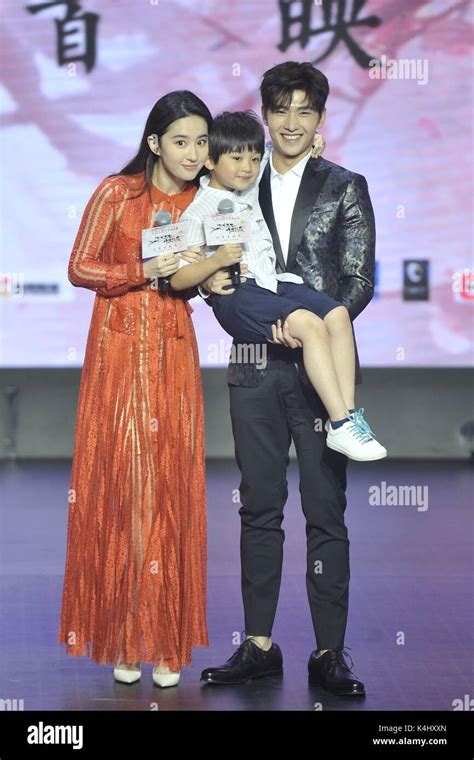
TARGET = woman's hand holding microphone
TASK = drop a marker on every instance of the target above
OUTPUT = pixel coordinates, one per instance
(163, 265)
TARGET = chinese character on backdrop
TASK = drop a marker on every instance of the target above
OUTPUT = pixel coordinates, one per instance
(75, 33)
(338, 16)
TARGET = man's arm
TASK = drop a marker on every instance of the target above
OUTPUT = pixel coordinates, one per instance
(204, 293)
(356, 248)
(220, 283)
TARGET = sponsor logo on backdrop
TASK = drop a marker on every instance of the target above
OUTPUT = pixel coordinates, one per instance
(463, 285)
(416, 280)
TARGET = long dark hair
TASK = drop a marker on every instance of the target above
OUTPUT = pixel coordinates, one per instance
(172, 106)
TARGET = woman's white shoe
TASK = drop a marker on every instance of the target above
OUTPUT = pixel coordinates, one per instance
(165, 679)
(127, 675)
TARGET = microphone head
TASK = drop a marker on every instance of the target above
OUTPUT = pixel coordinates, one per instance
(162, 218)
(226, 206)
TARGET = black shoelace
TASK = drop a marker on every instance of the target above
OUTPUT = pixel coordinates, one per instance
(340, 654)
(249, 652)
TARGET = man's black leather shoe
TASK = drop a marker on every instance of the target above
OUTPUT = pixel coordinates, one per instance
(331, 671)
(248, 661)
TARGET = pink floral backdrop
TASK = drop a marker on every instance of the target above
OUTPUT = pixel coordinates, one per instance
(78, 80)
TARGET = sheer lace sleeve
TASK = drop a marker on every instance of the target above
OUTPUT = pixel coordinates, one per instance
(86, 266)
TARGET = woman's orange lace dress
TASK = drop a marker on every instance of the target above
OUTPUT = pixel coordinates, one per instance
(135, 575)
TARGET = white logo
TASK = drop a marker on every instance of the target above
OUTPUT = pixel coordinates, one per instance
(42, 734)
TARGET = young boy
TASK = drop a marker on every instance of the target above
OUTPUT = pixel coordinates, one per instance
(236, 161)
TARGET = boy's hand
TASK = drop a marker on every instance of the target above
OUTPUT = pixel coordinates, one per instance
(230, 253)
(215, 283)
(319, 144)
(193, 253)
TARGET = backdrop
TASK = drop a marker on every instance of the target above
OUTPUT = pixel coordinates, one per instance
(80, 78)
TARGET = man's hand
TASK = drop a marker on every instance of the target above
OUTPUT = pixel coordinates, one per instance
(282, 336)
(216, 283)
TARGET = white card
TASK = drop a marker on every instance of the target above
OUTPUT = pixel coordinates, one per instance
(226, 228)
(169, 238)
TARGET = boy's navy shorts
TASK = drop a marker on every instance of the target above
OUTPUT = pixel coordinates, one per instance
(249, 312)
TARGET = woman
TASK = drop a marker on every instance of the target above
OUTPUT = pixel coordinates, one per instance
(135, 576)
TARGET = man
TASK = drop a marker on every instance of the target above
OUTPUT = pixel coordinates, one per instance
(322, 224)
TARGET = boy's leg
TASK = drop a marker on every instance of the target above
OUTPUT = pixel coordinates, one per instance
(339, 328)
(341, 340)
(347, 435)
(318, 361)
(248, 314)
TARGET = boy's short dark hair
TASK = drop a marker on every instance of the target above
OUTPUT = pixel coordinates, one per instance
(279, 83)
(235, 131)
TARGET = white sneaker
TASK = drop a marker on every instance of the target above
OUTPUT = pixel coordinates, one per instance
(165, 679)
(355, 439)
(126, 674)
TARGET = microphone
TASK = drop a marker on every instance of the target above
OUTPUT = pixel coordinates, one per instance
(161, 219)
(226, 206)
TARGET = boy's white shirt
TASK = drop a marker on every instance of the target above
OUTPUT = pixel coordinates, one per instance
(258, 253)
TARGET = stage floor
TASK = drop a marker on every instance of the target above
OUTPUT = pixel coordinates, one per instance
(411, 574)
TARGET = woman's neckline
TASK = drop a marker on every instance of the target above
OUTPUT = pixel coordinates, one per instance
(170, 195)
(157, 191)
